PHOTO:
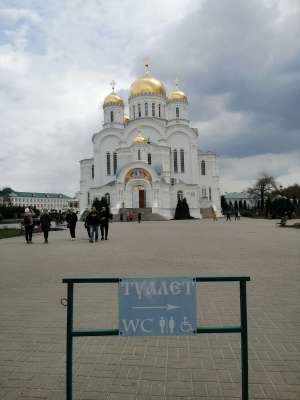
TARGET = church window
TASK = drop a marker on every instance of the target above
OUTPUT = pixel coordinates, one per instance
(133, 112)
(139, 154)
(175, 161)
(203, 191)
(153, 109)
(93, 171)
(107, 198)
(149, 159)
(108, 170)
(209, 193)
(203, 167)
(182, 160)
(88, 198)
(115, 161)
(139, 111)
(111, 116)
(146, 109)
(180, 195)
(172, 181)
(177, 112)
(159, 110)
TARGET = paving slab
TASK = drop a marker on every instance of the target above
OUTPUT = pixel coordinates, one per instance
(205, 366)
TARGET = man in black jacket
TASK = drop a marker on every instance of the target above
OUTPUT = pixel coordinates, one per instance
(93, 221)
(104, 216)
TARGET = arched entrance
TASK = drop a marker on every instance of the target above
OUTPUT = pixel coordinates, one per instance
(138, 188)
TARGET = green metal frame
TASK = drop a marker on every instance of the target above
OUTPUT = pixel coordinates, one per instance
(242, 328)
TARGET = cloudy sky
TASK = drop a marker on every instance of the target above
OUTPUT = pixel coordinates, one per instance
(238, 62)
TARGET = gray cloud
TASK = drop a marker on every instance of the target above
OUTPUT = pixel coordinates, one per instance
(237, 61)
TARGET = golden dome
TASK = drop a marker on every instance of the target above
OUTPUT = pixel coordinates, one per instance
(113, 99)
(147, 84)
(177, 95)
(139, 139)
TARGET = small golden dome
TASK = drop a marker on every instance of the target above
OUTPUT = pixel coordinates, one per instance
(177, 95)
(147, 85)
(114, 100)
(139, 139)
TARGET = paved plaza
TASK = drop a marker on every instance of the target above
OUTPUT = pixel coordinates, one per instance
(205, 366)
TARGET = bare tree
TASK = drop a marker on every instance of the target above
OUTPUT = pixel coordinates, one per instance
(263, 186)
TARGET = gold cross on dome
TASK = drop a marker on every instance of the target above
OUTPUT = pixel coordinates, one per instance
(147, 64)
(176, 81)
(113, 85)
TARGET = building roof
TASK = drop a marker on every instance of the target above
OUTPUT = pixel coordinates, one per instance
(238, 195)
(40, 195)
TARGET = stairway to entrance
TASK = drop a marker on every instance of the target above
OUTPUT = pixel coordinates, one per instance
(147, 214)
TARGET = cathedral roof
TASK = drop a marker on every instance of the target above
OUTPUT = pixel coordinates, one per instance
(146, 85)
(113, 99)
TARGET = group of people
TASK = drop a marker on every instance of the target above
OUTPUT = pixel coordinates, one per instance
(237, 215)
(96, 219)
(93, 221)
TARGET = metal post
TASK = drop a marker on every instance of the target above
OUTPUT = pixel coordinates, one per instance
(244, 340)
(69, 358)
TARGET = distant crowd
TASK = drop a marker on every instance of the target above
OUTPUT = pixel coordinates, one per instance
(95, 220)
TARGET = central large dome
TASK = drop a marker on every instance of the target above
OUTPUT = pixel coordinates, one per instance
(147, 85)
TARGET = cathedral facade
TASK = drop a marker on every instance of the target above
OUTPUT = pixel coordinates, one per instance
(150, 158)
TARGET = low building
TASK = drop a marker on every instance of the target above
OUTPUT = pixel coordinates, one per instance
(239, 200)
(49, 201)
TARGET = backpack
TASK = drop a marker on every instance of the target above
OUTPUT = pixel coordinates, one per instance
(26, 220)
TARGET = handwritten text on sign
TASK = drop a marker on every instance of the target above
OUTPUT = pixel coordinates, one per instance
(157, 306)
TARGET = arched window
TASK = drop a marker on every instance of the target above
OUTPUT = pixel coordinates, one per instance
(149, 158)
(146, 109)
(159, 110)
(177, 112)
(209, 193)
(139, 154)
(133, 111)
(107, 198)
(139, 111)
(93, 171)
(111, 116)
(108, 169)
(175, 161)
(153, 109)
(182, 160)
(203, 167)
(88, 198)
(180, 195)
(115, 161)
(204, 191)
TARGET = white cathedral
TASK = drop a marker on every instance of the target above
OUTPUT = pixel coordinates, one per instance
(151, 158)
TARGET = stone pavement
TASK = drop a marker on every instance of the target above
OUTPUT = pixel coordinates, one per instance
(206, 366)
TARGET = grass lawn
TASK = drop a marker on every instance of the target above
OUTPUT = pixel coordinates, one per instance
(9, 232)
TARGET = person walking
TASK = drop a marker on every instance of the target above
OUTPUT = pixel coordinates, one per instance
(228, 217)
(86, 221)
(93, 222)
(45, 224)
(71, 219)
(28, 225)
(139, 217)
(104, 216)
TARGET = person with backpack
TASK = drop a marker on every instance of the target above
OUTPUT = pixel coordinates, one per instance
(93, 221)
(45, 224)
(71, 219)
(28, 225)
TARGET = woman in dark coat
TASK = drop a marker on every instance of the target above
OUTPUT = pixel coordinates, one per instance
(71, 219)
(45, 223)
